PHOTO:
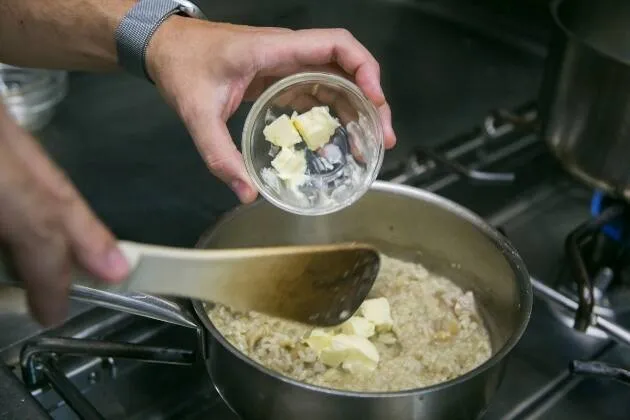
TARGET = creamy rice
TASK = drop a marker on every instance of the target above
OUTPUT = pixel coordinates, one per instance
(437, 335)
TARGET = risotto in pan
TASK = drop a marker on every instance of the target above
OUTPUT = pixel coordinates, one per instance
(415, 329)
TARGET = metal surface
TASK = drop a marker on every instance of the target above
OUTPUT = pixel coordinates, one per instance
(600, 370)
(548, 395)
(16, 325)
(138, 304)
(402, 222)
(123, 388)
(39, 364)
(471, 174)
(68, 391)
(584, 101)
(573, 245)
(31, 95)
(191, 9)
(131, 302)
(613, 330)
(16, 403)
(30, 357)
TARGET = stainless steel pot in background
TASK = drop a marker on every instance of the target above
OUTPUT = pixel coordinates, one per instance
(32, 95)
(585, 95)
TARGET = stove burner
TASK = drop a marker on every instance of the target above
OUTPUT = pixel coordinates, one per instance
(598, 256)
(615, 229)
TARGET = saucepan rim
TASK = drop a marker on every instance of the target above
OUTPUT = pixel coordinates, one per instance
(554, 8)
(503, 246)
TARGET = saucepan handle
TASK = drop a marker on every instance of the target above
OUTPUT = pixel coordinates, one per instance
(601, 370)
(130, 302)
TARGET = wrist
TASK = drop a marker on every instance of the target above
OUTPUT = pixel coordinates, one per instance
(139, 26)
(163, 45)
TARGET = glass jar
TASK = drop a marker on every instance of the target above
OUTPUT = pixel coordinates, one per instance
(338, 168)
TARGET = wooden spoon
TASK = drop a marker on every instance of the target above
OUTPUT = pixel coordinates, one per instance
(319, 285)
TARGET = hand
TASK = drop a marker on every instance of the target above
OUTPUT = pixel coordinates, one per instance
(204, 70)
(45, 226)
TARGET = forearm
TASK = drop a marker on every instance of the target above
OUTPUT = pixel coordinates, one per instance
(68, 34)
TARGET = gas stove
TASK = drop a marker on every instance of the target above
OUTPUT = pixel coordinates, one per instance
(113, 365)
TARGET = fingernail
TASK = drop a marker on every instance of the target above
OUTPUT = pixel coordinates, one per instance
(117, 264)
(241, 189)
(392, 133)
(379, 91)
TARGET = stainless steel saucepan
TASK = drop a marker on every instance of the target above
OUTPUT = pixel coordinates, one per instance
(585, 109)
(404, 222)
(585, 95)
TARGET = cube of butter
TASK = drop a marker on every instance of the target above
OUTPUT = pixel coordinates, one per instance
(316, 126)
(357, 325)
(290, 164)
(377, 311)
(282, 132)
(318, 340)
(352, 352)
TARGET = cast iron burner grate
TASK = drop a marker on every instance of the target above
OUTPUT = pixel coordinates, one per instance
(39, 364)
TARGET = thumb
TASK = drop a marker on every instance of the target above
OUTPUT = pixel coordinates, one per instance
(92, 244)
(216, 147)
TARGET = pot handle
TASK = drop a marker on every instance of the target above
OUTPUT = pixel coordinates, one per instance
(135, 303)
(601, 370)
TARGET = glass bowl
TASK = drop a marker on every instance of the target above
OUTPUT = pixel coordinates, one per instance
(31, 95)
(325, 149)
